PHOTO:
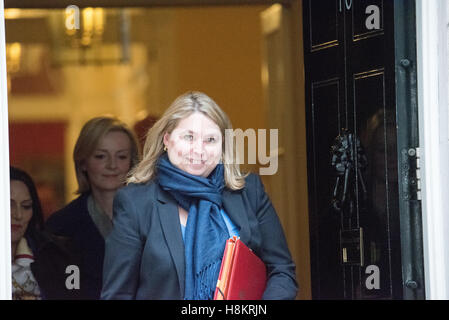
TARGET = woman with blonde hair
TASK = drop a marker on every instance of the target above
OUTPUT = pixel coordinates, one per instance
(182, 202)
(104, 153)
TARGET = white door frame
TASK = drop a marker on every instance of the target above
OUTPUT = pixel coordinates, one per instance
(433, 83)
(5, 224)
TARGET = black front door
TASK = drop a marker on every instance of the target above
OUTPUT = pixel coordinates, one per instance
(355, 135)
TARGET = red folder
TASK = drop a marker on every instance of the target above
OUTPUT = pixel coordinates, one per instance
(242, 276)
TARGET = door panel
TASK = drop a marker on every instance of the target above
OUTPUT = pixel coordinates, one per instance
(328, 119)
(352, 149)
(375, 124)
(359, 18)
(323, 17)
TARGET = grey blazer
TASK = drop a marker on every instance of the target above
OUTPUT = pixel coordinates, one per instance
(144, 254)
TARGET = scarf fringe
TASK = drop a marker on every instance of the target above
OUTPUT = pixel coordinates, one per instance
(206, 281)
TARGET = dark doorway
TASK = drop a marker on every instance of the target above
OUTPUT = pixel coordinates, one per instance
(361, 120)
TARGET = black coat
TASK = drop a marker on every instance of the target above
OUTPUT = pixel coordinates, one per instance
(52, 256)
(144, 256)
(74, 222)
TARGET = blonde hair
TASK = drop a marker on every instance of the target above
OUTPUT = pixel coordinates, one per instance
(91, 134)
(181, 108)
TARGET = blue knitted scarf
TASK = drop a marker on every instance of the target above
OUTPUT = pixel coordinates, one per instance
(206, 231)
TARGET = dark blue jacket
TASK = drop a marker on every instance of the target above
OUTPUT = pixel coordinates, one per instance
(144, 256)
(73, 221)
(52, 256)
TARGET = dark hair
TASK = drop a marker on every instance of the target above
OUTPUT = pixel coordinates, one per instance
(36, 223)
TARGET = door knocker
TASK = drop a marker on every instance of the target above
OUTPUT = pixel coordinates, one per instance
(348, 157)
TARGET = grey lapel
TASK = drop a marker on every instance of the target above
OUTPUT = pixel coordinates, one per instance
(169, 217)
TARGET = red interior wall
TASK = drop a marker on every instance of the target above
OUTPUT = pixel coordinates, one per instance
(38, 148)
